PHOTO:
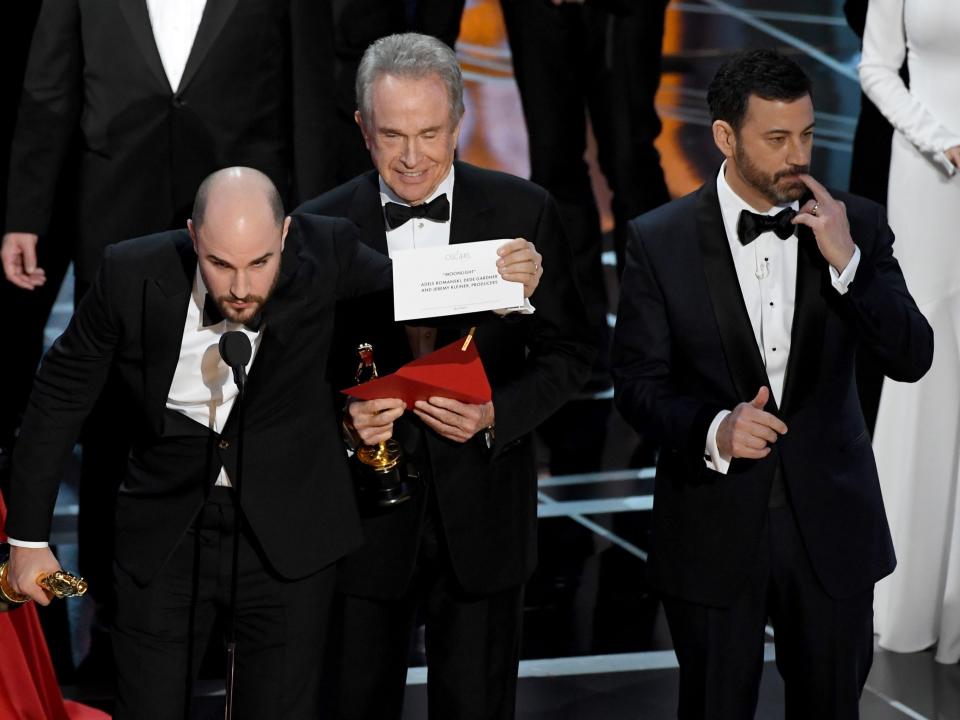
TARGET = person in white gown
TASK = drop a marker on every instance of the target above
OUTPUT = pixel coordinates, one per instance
(917, 436)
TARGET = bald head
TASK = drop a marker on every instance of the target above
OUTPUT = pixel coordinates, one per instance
(238, 230)
(237, 185)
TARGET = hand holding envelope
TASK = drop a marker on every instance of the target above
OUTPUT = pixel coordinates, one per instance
(448, 389)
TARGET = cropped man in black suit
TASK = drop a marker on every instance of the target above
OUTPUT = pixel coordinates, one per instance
(157, 98)
(463, 546)
(153, 314)
(743, 307)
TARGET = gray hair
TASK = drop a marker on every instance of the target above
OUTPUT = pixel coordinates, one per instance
(410, 55)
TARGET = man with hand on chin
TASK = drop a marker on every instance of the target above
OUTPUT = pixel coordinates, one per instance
(743, 306)
(465, 543)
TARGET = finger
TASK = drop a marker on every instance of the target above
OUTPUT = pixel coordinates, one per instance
(770, 421)
(373, 437)
(818, 190)
(21, 281)
(760, 399)
(447, 431)
(765, 432)
(751, 454)
(747, 440)
(512, 246)
(29, 251)
(447, 417)
(379, 420)
(455, 406)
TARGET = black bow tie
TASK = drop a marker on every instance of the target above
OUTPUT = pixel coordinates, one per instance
(437, 209)
(750, 225)
(213, 316)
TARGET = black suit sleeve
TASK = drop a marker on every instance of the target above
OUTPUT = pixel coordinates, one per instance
(362, 270)
(891, 326)
(561, 344)
(47, 117)
(645, 391)
(64, 392)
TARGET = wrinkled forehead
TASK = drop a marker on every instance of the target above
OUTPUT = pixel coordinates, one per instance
(765, 115)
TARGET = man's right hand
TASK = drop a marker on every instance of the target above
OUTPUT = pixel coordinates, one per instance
(19, 256)
(748, 431)
(27, 565)
(373, 419)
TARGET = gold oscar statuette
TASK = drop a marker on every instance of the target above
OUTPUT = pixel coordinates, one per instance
(382, 482)
(60, 584)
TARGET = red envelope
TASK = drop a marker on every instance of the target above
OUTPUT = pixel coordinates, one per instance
(448, 372)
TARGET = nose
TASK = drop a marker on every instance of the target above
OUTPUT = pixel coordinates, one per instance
(798, 152)
(411, 153)
(240, 287)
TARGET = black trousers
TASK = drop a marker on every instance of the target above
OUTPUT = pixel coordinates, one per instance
(824, 646)
(472, 644)
(162, 630)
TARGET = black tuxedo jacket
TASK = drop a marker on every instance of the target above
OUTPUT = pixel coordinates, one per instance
(684, 349)
(297, 494)
(256, 91)
(487, 497)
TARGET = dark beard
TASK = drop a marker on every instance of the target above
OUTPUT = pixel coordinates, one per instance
(771, 186)
(258, 300)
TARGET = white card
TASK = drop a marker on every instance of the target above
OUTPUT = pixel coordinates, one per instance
(451, 280)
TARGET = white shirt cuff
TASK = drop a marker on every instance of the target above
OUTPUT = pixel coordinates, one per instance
(841, 281)
(26, 544)
(526, 309)
(711, 454)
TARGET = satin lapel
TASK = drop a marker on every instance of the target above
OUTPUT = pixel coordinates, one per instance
(809, 314)
(366, 212)
(470, 207)
(165, 308)
(736, 333)
(215, 16)
(138, 19)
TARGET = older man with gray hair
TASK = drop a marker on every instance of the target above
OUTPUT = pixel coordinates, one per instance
(463, 546)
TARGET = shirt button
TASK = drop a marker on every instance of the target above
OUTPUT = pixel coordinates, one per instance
(771, 304)
(774, 349)
(224, 444)
(420, 225)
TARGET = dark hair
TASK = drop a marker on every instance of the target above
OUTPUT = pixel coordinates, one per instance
(765, 73)
(203, 193)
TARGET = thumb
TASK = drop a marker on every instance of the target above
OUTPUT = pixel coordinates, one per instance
(760, 401)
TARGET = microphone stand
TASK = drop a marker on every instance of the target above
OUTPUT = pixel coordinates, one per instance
(240, 378)
(237, 523)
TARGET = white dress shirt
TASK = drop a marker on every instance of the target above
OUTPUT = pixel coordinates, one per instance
(767, 273)
(202, 386)
(175, 24)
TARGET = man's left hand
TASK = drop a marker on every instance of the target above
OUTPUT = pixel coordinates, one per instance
(453, 419)
(520, 262)
(827, 218)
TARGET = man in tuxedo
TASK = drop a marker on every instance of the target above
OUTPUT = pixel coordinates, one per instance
(742, 310)
(156, 311)
(463, 546)
(157, 95)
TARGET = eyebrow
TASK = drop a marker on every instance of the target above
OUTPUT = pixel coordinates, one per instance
(386, 129)
(265, 256)
(784, 131)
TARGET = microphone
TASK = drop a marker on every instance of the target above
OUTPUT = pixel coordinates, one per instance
(235, 350)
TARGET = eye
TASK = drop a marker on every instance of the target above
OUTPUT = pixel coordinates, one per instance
(218, 263)
(777, 139)
(259, 263)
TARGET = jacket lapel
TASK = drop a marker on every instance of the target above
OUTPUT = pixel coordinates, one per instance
(470, 207)
(138, 19)
(366, 213)
(215, 16)
(736, 333)
(808, 321)
(165, 307)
